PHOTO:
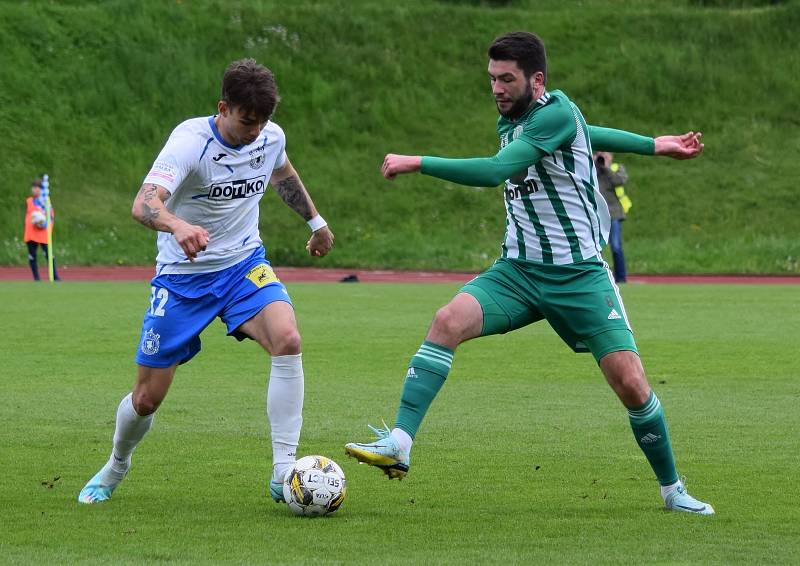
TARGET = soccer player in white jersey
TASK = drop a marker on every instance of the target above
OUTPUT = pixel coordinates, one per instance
(550, 267)
(201, 196)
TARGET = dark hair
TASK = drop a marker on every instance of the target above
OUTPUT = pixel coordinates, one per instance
(523, 47)
(36, 183)
(250, 87)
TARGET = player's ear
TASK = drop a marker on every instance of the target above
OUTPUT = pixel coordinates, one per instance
(537, 80)
(222, 108)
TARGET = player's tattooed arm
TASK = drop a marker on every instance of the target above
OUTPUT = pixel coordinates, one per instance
(149, 212)
(149, 209)
(290, 188)
(294, 194)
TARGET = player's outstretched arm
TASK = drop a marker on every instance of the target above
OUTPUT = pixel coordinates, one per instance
(290, 188)
(475, 171)
(148, 208)
(686, 146)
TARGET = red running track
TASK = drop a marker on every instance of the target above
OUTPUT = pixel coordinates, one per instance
(316, 274)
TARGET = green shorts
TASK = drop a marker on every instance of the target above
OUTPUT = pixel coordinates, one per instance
(580, 301)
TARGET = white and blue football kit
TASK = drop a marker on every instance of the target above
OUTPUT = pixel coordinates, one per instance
(217, 186)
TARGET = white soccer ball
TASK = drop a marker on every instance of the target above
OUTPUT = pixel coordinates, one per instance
(38, 219)
(315, 486)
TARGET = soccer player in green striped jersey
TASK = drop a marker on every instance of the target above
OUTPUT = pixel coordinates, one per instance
(550, 267)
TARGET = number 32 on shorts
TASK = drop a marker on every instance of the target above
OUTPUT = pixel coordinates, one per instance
(162, 296)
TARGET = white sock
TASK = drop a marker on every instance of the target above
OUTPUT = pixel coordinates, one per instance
(285, 410)
(130, 429)
(666, 490)
(403, 439)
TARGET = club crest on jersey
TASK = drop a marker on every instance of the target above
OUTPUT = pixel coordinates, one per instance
(257, 157)
(241, 188)
(150, 342)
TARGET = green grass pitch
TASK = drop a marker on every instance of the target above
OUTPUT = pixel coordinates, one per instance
(525, 457)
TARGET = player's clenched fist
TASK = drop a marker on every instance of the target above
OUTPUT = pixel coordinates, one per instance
(320, 242)
(192, 239)
(394, 165)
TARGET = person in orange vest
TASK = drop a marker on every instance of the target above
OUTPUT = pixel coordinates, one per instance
(36, 228)
(612, 177)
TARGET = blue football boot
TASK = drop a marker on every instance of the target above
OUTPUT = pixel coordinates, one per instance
(97, 489)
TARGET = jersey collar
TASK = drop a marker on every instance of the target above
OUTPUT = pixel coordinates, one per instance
(542, 100)
(538, 103)
(218, 136)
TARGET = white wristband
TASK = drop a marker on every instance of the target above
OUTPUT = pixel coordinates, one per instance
(316, 223)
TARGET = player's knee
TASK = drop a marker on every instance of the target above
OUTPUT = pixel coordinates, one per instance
(625, 374)
(630, 382)
(285, 343)
(447, 322)
(145, 404)
(632, 388)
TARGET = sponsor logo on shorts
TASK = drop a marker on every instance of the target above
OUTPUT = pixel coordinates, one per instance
(261, 275)
(150, 342)
(241, 188)
(613, 315)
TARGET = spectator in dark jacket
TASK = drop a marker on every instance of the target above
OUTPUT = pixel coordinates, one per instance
(612, 178)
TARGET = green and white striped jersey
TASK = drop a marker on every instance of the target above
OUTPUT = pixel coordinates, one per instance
(555, 213)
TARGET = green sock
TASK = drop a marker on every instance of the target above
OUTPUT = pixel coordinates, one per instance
(650, 429)
(426, 375)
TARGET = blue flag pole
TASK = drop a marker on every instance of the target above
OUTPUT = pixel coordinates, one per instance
(49, 224)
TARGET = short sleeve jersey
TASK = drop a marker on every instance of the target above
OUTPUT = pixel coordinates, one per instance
(554, 211)
(217, 186)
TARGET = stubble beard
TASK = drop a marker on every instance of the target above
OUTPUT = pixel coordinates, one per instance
(520, 105)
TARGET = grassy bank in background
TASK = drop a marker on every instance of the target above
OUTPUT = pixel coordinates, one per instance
(90, 92)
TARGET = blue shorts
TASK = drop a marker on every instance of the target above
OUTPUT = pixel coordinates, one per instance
(182, 305)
